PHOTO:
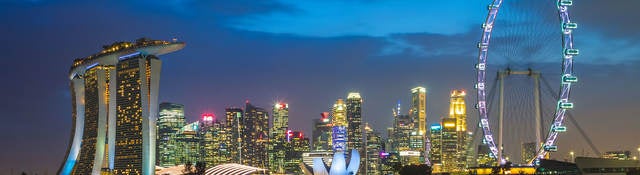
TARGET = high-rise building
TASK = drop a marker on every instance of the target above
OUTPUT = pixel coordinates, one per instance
(255, 126)
(418, 112)
(458, 111)
(419, 108)
(189, 144)
(215, 146)
(354, 129)
(403, 126)
(322, 129)
(115, 107)
(449, 145)
(528, 151)
(170, 121)
(296, 145)
(339, 131)
(484, 157)
(435, 136)
(354, 118)
(234, 128)
(278, 138)
(373, 163)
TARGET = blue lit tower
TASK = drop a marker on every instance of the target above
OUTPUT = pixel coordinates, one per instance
(339, 120)
(115, 106)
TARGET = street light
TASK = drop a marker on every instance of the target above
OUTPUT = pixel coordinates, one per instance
(572, 158)
(638, 151)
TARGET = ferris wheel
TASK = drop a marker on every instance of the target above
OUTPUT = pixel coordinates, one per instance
(567, 79)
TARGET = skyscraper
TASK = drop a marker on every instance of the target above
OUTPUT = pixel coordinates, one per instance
(278, 138)
(322, 129)
(115, 106)
(339, 121)
(419, 108)
(234, 127)
(189, 144)
(435, 135)
(449, 145)
(255, 126)
(373, 163)
(354, 117)
(354, 129)
(170, 121)
(216, 150)
(296, 145)
(418, 113)
(458, 111)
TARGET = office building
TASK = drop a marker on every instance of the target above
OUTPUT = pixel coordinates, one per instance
(255, 126)
(115, 108)
(278, 138)
(189, 144)
(340, 125)
(234, 129)
(419, 108)
(435, 135)
(170, 121)
(354, 118)
(373, 149)
(321, 134)
(297, 144)
(215, 144)
(449, 145)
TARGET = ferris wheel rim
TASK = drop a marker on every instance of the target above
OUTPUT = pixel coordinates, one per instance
(568, 51)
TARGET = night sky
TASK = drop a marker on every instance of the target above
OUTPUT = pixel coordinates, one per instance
(305, 53)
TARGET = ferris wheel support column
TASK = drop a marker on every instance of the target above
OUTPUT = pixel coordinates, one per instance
(536, 98)
(501, 76)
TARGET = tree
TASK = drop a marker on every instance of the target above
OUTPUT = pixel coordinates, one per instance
(187, 168)
(415, 169)
(201, 167)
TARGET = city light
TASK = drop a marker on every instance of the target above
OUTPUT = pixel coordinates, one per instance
(207, 117)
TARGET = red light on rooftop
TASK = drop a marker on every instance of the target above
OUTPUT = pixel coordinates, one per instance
(208, 117)
(324, 115)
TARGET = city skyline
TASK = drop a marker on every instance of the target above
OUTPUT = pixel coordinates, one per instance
(215, 71)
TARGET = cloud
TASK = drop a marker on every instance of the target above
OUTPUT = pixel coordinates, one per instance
(334, 18)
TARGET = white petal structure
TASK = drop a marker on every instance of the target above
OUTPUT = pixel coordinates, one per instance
(234, 169)
(319, 168)
(338, 164)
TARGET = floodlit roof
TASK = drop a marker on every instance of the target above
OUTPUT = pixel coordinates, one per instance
(233, 169)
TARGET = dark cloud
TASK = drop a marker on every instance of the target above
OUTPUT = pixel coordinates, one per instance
(614, 18)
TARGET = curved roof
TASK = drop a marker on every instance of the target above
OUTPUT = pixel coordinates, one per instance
(111, 54)
(233, 169)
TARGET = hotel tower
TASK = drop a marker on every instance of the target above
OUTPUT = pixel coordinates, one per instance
(115, 106)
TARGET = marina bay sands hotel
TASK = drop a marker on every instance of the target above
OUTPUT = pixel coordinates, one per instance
(115, 106)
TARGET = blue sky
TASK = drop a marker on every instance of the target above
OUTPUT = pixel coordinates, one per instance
(306, 53)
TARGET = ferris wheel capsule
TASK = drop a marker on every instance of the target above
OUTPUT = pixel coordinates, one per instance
(565, 3)
(551, 148)
(559, 129)
(568, 79)
(565, 105)
(571, 52)
(570, 25)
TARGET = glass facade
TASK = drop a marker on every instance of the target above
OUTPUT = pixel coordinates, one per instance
(255, 126)
(115, 108)
(170, 121)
